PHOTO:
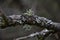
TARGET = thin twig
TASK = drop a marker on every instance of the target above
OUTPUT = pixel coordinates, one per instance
(42, 33)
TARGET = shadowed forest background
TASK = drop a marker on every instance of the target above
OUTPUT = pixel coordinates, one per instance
(45, 8)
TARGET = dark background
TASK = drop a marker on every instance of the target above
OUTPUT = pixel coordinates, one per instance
(45, 8)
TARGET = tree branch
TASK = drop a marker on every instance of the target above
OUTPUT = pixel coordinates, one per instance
(42, 33)
(36, 20)
(32, 20)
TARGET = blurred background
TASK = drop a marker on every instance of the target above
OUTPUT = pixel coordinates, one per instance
(45, 8)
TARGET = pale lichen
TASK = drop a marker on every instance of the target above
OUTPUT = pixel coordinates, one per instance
(29, 12)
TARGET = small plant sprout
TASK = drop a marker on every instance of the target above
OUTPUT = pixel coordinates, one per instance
(29, 12)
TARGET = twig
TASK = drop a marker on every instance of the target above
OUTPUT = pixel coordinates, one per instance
(42, 33)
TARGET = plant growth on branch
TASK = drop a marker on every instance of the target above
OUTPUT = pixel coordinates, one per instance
(31, 19)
